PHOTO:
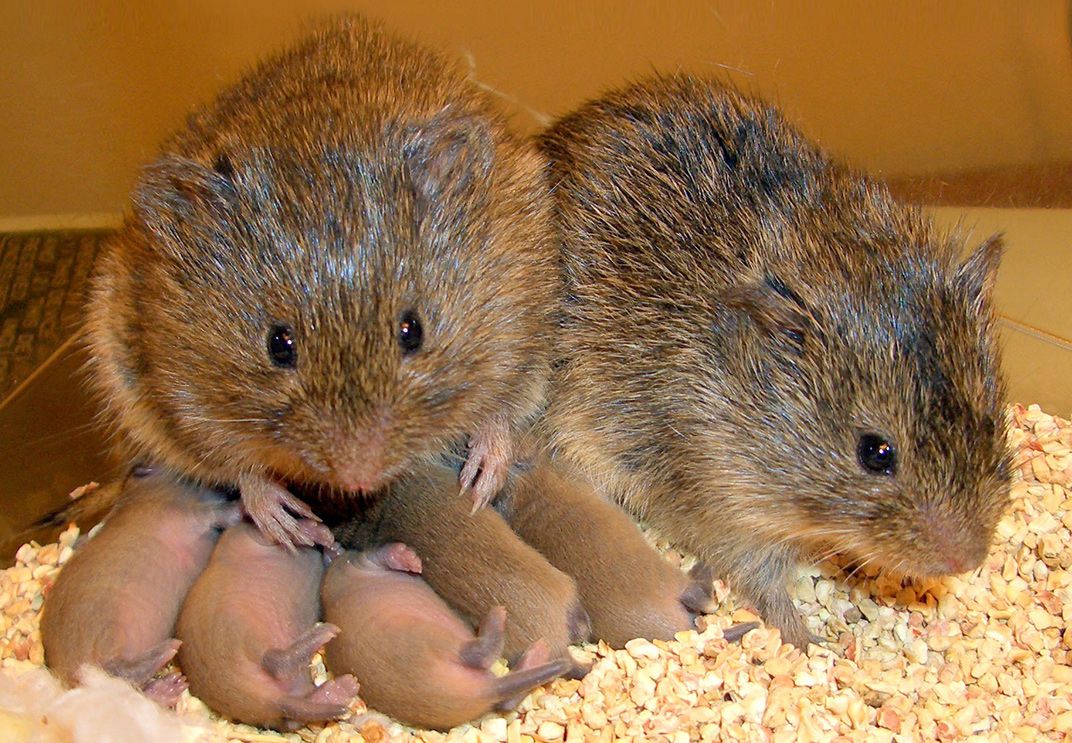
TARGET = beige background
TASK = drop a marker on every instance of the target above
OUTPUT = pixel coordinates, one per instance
(87, 89)
(900, 87)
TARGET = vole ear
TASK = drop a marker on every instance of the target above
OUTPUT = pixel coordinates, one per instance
(447, 154)
(774, 308)
(978, 274)
(174, 190)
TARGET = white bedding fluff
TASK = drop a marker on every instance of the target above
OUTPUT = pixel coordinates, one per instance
(35, 708)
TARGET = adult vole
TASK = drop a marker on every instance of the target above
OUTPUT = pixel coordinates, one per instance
(762, 354)
(339, 267)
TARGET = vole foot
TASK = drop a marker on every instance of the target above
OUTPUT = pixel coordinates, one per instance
(486, 647)
(534, 668)
(486, 469)
(140, 670)
(166, 690)
(339, 690)
(285, 664)
(761, 577)
(270, 506)
(396, 556)
(328, 701)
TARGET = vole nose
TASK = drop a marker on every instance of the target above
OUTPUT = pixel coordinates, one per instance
(359, 465)
(955, 564)
(358, 458)
(954, 550)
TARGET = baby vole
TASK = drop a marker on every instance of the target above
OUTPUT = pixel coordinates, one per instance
(116, 600)
(418, 661)
(340, 266)
(473, 560)
(249, 630)
(628, 589)
(761, 353)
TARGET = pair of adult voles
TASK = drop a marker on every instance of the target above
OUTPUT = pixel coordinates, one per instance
(347, 263)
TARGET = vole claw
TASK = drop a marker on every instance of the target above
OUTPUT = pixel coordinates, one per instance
(486, 469)
(270, 507)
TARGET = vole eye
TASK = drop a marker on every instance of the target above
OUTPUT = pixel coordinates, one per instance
(877, 455)
(410, 333)
(281, 348)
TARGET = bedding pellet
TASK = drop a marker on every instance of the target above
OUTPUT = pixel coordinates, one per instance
(982, 656)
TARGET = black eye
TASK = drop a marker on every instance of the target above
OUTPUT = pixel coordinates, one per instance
(877, 455)
(281, 348)
(410, 333)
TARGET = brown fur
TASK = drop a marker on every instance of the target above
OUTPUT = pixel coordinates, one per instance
(339, 185)
(628, 589)
(474, 561)
(738, 310)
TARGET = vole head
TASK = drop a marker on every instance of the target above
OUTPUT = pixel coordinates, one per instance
(328, 313)
(875, 390)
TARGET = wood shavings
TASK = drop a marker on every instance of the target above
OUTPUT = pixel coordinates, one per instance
(988, 654)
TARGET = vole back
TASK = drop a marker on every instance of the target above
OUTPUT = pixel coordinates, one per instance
(762, 353)
(339, 267)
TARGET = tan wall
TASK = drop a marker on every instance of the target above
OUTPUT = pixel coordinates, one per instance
(87, 89)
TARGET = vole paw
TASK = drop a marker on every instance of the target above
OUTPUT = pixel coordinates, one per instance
(270, 507)
(141, 669)
(486, 647)
(488, 464)
(166, 690)
(286, 663)
(339, 690)
(398, 557)
(794, 631)
(534, 668)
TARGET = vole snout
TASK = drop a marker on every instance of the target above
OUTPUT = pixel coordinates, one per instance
(950, 550)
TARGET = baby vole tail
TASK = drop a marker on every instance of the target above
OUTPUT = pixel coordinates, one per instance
(737, 631)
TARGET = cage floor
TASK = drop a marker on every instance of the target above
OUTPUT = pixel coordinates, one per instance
(984, 656)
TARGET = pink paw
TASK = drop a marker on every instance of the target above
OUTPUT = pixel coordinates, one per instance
(486, 469)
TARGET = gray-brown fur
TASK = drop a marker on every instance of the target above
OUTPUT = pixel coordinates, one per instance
(249, 630)
(474, 560)
(738, 310)
(338, 186)
(116, 601)
(418, 661)
(628, 589)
